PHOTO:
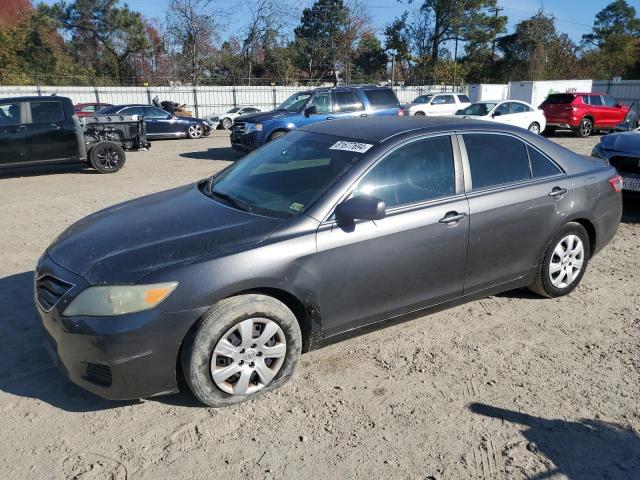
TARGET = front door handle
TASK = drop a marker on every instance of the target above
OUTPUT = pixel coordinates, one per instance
(363, 114)
(557, 192)
(453, 217)
(330, 118)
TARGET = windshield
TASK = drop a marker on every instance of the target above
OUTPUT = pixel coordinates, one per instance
(423, 99)
(285, 177)
(478, 109)
(294, 103)
(234, 110)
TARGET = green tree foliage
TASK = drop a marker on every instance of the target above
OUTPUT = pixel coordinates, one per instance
(371, 60)
(613, 48)
(111, 34)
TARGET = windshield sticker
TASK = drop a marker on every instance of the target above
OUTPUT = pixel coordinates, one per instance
(296, 207)
(351, 146)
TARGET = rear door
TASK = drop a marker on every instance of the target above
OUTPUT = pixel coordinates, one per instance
(415, 256)
(381, 101)
(521, 115)
(518, 198)
(347, 104)
(14, 146)
(502, 113)
(598, 110)
(52, 136)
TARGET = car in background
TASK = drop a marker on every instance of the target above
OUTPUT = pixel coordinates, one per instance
(161, 124)
(42, 130)
(310, 106)
(225, 120)
(510, 112)
(89, 109)
(434, 104)
(582, 112)
(332, 230)
(622, 150)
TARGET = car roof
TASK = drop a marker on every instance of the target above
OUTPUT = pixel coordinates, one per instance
(31, 98)
(380, 129)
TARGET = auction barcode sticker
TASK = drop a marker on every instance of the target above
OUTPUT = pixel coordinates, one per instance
(351, 146)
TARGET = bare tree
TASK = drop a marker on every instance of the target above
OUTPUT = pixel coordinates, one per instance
(190, 25)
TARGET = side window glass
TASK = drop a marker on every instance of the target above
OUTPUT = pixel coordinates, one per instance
(133, 111)
(448, 99)
(595, 100)
(322, 102)
(503, 109)
(347, 102)
(496, 160)
(541, 166)
(438, 100)
(585, 99)
(420, 171)
(10, 114)
(609, 102)
(46, 112)
(518, 107)
(155, 113)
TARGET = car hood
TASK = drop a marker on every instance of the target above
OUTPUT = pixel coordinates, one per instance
(262, 116)
(627, 142)
(123, 243)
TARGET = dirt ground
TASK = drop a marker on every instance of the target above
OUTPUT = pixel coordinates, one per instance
(508, 387)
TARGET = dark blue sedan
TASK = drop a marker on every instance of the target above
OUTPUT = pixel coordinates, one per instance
(162, 124)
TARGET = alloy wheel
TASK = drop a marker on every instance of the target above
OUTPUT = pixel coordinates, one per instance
(108, 158)
(195, 131)
(248, 356)
(585, 127)
(226, 123)
(534, 128)
(567, 261)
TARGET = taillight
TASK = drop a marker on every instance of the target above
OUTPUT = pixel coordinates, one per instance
(616, 183)
(400, 112)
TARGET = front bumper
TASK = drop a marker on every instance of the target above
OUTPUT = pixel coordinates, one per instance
(118, 358)
(244, 142)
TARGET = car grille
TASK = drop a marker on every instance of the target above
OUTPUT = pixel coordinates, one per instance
(49, 290)
(99, 374)
(625, 164)
(239, 127)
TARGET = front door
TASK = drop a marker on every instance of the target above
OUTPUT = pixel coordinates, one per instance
(159, 122)
(518, 200)
(52, 136)
(13, 133)
(412, 258)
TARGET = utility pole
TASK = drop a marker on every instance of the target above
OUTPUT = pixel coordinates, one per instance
(493, 46)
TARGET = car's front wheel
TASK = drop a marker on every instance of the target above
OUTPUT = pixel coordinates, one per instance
(244, 346)
(227, 123)
(564, 262)
(195, 131)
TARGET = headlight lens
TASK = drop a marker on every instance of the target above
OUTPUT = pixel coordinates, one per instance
(106, 301)
(252, 127)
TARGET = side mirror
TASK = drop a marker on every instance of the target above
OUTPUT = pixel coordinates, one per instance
(362, 207)
(312, 110)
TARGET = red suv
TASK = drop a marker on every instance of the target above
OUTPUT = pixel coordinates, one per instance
(582, 112)
(89, 109)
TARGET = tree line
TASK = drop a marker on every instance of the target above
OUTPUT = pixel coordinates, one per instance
(104, 42)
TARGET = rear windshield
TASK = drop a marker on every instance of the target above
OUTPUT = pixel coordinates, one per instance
(558, 98)
(382, 98)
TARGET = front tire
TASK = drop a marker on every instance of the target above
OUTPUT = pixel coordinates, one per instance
(564, 262)
(419, 114)
(107, 157)
(227, 123)
(585, 128)
(243, 347)
(195, 131)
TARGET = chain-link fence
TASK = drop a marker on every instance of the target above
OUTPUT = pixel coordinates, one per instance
(201, 100)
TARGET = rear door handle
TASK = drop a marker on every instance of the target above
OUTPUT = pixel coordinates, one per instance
(557, 192)
(453, 217)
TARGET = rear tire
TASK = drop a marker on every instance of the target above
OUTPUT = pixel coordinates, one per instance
(585, 128)
(419, 114)
(227, 123)
(568, 250)
(207, 350)
(534, 128)
(107, 157)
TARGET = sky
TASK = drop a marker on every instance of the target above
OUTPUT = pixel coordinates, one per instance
(574, 17)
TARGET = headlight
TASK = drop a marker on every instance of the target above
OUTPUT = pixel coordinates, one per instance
(105, 301)
(252, 127)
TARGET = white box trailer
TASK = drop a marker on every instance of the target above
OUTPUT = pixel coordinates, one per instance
(487, 91)
(536, 92)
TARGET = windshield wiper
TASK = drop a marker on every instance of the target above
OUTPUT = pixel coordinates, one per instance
(232, 201)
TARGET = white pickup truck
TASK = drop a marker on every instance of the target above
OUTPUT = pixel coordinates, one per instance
(438, 104)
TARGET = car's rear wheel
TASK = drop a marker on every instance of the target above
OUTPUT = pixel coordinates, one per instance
(227, 123)
(534, 128)
(244, 346)
(195, 131)
(564, 262)
(585, 128)
(107, 157)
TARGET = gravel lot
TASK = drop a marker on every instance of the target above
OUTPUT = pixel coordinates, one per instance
(508, 387)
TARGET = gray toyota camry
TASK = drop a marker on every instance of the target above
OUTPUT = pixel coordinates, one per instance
(333, 229)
